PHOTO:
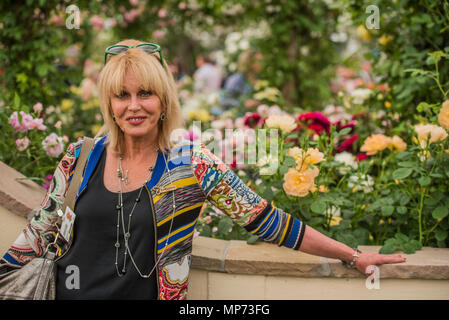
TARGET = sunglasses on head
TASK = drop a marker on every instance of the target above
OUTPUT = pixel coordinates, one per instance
(147, 47)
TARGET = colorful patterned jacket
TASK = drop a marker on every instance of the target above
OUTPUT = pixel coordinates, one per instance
(198, 175)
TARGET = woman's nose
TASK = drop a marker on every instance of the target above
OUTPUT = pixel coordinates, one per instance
(134, 103)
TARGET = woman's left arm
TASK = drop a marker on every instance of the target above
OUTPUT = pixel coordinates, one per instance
(225, 190)
(318, 244)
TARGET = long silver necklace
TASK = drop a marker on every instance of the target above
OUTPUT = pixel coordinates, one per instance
(127, 233)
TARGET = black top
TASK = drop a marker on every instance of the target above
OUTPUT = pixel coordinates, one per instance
(88, 270)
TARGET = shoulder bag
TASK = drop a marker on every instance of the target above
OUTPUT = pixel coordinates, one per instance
(36, 280)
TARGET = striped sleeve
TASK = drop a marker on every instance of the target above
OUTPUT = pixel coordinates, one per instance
(39, 232)
(226, 191)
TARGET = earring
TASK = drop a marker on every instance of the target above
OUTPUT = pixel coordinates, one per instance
(113, 118)
(163, 117)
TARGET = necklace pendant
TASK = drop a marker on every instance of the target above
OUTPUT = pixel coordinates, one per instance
(126, 178)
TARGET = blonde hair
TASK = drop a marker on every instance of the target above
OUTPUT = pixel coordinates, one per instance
(149, 71)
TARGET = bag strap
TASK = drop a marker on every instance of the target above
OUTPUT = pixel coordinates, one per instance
(69, 200)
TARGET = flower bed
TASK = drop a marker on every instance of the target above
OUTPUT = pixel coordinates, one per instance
(367, 178)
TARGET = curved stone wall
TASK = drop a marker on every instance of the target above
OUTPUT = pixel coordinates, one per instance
(235, 270)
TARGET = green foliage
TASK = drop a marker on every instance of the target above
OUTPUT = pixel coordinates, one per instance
(410, 42)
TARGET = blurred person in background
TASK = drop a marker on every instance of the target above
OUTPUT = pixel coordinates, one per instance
(239, 84)
(208, 77)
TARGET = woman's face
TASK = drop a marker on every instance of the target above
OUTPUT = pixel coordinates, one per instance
(136, 110)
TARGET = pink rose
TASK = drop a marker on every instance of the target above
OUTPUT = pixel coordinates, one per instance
(22, 144)
(38, 107)
(97, 22)
(15, 122)
(53, 145)
(38, 123)
(27, 121)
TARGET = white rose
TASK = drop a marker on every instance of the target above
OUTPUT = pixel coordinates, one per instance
(335, 211)
(348, 160)
(360, 95)
(363, 183)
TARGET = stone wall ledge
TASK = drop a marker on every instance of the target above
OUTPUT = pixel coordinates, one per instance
(237, 257)
(19, 196)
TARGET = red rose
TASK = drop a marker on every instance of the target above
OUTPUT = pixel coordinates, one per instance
(251, 120)
(315, 121)
(347, 144)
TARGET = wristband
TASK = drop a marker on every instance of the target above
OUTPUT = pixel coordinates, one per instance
(351, 264)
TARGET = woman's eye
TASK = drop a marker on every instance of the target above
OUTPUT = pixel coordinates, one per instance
(122, 95)
(146, 93)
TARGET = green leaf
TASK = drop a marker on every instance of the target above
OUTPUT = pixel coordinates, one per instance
(387, 211)
(252, 239)
(403, 155)
(388, 248)
(206, 231)
(401, 210)
(16, 101)
(344, 131)
(289, 161)
(404, 200)
(424, 181)
(42, 70)
(440, 212)
(348, 239)
(408, 247)
(402, 238)
(224, 225)
(407, 164)
(402, 173)
(441, 235)
(318, 206)
(283, 169)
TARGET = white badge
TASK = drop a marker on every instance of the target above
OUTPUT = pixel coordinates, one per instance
(68, 220)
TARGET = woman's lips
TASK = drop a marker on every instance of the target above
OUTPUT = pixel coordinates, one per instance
(136, 120)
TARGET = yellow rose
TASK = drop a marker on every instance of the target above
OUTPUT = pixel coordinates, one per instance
(203, 115)
(385, 39)
(311, 157)
(430, 132)
(298, 183)
(398, 144)
(363, 33)
(294, 152)
(284, 122)
(304, 158)
(335, 221)
(323, 189)
(191, 114)
(375, 143)
(260, 84)
(443, 116)
(66, 104)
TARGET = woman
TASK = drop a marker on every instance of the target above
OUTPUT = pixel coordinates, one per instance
(142, 192)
